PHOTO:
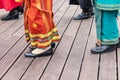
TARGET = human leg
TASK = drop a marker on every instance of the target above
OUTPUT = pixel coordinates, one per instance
(107, 31)
(87, 10)
(13, 14)
(41, 30)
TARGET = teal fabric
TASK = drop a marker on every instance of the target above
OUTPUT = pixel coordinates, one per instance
(107, 5)
(106, 26)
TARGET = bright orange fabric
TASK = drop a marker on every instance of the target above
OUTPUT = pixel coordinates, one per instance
(19, 0)
(39, 26)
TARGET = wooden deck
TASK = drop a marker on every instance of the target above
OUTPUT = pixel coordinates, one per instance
(72, 59)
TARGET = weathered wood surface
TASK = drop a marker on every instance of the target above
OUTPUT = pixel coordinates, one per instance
(72, 59)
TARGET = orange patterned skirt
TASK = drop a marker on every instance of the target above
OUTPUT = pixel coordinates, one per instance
(40, 29)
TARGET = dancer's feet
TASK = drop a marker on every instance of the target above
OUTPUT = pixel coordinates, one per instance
(103, 49)
(13, 14)
(84, 15)
(40, 52)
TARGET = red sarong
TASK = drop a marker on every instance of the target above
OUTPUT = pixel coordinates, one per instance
(9, 4)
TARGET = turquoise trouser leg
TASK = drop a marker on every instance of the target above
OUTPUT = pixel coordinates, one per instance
(106, 26)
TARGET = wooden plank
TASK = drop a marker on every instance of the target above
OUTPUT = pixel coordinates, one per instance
(6, 25)
(9, 43)
(36, 69)
(58, 4)
(89, 69)
(66, 19)
(18, 68)
(118, 55)
(12, 56)
(108, 66)
(11, 39)
(73, 64)
(61, 12)
(54, 1)
(5, 35)
(56, 64)
(118, 63)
